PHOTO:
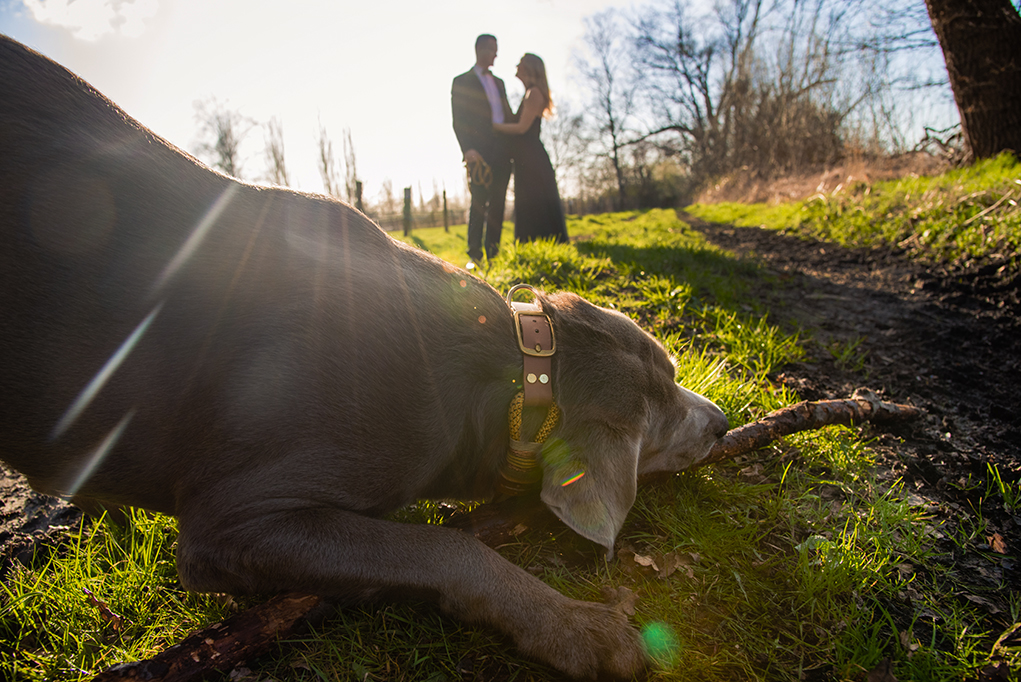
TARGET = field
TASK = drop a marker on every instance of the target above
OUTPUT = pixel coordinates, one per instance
(815, 559)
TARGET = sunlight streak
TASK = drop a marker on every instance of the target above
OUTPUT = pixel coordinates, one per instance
(196, 237)
(94, 386)
(100, 453)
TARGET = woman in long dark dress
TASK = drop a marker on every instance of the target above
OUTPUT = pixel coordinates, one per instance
(538, 213)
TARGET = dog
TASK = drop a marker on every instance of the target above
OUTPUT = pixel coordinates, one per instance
(278, 373)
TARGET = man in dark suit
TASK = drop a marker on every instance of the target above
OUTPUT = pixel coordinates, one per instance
(478, 99)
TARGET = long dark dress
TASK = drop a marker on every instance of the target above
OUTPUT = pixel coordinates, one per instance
(538, 213)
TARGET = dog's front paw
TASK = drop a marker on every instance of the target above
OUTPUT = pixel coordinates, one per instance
(587, 641)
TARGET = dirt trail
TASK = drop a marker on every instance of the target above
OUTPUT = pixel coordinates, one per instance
(948, 344)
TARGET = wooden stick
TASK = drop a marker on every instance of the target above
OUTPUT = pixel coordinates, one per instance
(863, 406)
(222, 646)
(226, 645)
(499, 523)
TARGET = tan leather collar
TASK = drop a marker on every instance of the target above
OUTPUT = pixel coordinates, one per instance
(538, 344)
(520, 471)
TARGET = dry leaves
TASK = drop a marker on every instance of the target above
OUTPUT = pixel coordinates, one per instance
(658, 564)
(882, 672)
(908, 643)
(997, 543)
(112, 619)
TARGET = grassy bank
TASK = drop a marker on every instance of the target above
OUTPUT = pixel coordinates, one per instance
(788, 564)
(962, 217)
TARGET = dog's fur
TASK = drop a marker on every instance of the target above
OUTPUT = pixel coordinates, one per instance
(277, 372)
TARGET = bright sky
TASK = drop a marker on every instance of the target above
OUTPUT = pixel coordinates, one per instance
(379, 67)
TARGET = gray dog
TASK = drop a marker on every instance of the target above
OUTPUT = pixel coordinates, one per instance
(275, 371)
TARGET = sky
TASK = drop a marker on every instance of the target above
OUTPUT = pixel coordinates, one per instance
(381, 68)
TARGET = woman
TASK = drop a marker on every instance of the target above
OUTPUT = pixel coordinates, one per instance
(538, 213)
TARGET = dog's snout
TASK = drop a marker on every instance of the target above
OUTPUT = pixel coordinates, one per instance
(718, 423)
(714, 422)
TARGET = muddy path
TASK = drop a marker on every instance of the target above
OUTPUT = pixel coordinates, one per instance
(947, 342)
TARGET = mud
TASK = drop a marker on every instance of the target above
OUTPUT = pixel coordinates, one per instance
(946, 340)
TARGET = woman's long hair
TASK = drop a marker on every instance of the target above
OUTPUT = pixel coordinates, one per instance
(537, 70)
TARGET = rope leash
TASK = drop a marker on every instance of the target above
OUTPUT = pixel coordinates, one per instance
(479, 173)
(521, 469)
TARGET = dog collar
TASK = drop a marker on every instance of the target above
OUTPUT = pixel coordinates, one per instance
(534, 330)
(537, 343)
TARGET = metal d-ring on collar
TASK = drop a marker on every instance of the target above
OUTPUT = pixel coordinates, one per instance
(537, 343)
(534, 330)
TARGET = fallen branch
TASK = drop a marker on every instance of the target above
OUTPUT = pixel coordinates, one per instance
(222, 646)
(499, 523)
(226, 645)
(862, 407)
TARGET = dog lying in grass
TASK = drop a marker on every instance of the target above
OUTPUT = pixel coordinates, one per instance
(278, 373)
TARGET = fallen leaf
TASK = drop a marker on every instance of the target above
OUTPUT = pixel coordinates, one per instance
(995, 672)
(518, 530)
(997, 543)
(753, 474)
(105, 613)
(241, 674)
(674, 561)
(643, 560)
(882, 672)
(907, 642)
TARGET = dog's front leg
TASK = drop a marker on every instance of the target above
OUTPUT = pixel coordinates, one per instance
(344, 555)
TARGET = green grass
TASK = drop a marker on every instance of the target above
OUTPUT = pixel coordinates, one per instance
(786, 563)
(964, 215)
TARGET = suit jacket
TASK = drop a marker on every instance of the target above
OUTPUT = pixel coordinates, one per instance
(473, 117)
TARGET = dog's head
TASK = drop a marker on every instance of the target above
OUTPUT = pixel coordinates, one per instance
(623, 416)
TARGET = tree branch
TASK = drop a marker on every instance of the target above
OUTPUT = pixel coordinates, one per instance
(221, 646)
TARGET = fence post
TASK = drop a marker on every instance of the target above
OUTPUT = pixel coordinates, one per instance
(446, 218)
(407, 211)
(358, 196)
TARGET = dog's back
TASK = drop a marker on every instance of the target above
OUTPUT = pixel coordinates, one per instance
(155, 311)
(277, 372)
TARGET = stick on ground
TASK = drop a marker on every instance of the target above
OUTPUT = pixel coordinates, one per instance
(221, 646)
(862, 407)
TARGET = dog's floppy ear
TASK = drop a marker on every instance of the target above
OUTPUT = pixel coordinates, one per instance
(590, 479)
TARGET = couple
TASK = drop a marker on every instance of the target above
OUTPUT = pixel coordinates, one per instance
(491, 135)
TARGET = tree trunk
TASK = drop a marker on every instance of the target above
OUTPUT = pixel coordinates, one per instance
(981, 42)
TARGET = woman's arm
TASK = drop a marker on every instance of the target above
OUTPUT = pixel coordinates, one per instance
(531, 108)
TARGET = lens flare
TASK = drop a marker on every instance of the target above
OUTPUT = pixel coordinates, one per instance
(660, 641)
(104, 374)
(572, 479)
(196, 237)
(99, 454)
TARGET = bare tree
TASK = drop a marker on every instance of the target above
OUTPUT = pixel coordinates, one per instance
(981, 42)
(753, 84)
(388, 203)
(328, 169)
(350, 167)
(221, 132)
(612, 83)
(277, 169)
(562, 135)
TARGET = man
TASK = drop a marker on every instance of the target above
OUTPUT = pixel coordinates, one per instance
(478, 99)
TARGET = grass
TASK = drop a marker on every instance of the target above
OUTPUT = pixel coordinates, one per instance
(959, 217)
(783, 565)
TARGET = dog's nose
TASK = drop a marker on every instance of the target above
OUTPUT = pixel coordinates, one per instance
(718, 423)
